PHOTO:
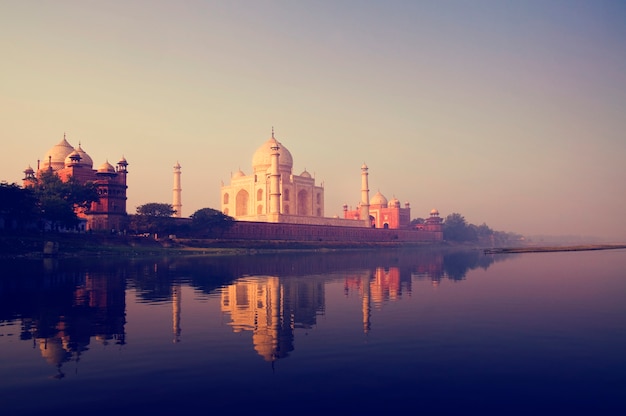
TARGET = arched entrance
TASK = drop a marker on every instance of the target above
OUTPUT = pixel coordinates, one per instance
(241, 201)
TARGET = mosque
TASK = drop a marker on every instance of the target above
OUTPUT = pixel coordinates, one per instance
(69, 161)
(272, 193)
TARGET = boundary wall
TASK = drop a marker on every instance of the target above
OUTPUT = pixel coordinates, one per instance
(248, 230)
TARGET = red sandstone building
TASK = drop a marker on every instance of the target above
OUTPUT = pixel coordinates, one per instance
(68, 162)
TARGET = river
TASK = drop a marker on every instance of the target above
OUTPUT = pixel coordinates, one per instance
(420, 331)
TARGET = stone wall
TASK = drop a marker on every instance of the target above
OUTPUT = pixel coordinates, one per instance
(247, 230)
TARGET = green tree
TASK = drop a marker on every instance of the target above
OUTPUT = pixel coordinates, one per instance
(455, 228)
(60, 201)
(154, 218)
(156, 209)
(209, 221)
(18, 206)
(416, 221)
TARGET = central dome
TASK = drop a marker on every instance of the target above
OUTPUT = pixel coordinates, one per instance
(56, 155)
(262, 159)
(379, 199)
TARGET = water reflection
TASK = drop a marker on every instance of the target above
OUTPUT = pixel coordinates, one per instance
(64, 306)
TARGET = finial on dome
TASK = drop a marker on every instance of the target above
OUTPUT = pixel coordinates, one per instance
(272, 132)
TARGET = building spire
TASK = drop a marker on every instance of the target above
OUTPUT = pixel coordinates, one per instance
(272, 132)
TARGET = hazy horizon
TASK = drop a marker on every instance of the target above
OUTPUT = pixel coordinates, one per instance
(509, 113)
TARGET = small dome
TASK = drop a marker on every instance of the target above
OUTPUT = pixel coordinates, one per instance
(394, 203)
(262, 159)
(56, 155)
(364, 167)
(238, 174)
(305, 174)
(434, 212)
(106, 167)
(85, 159)
(28, 170)
(378, 199)
(73, 158)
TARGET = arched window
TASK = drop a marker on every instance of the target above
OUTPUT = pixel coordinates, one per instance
(318, 197)
(259, 209)
(225, 199)
(242, 203)
(286, 209)
(304, 203)
(286, 195)
(259, 195)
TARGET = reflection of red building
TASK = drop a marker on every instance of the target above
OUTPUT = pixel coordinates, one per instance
(69, 162)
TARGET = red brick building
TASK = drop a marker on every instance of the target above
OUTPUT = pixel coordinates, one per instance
(66, 161)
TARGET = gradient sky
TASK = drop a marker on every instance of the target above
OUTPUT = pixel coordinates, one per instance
(511, 113)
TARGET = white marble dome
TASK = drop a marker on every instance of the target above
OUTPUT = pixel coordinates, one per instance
(262, 159)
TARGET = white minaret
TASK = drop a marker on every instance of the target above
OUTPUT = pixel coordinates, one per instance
(274, 179)
(365, 196)
(177, 203)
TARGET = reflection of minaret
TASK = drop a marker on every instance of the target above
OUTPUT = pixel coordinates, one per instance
(177, 199)
(366, 307)
(176, 311)
(365, 199)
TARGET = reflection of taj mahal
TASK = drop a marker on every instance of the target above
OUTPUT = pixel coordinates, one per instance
(274, 194)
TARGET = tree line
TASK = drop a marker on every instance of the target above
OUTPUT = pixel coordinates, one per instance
(457, 229)
(52, 204)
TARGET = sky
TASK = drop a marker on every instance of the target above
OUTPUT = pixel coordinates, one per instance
(511, 113)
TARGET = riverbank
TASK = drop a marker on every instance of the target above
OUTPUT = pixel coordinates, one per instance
(102, 245)
(546, 249)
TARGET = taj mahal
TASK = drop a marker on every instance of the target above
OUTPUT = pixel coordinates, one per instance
(270, 203)
(272, 193)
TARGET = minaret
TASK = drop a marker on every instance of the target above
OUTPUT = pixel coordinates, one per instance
(177, 201)
(274, 180)
(365, 196)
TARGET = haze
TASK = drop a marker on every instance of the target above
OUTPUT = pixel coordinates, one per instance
(510, 113)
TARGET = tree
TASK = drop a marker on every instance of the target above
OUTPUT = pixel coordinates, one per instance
(156, 209)
(210, 221)
(455, 228)
(154, 218)
(60, 201)
(416, 221)
(18, 206)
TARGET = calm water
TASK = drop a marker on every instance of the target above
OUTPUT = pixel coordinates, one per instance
(418, 331)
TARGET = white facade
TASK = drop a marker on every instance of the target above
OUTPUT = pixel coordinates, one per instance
(272, 192)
